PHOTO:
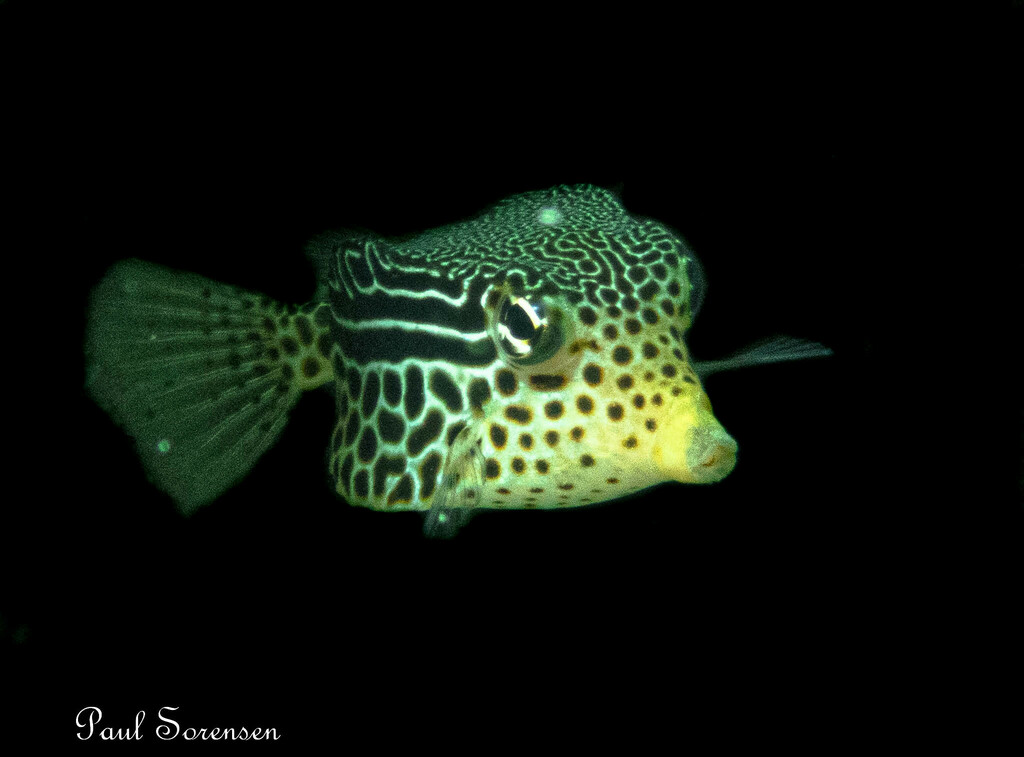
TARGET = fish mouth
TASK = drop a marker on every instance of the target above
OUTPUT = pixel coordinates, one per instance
(711, 455)
(693, 448)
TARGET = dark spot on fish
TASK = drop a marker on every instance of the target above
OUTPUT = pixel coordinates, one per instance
(587, 315)
(425, 433)
(402, 491)
(414, 395)
(506, 382)
(519, 414)
(355, 384)
(323, 345)
(615, 411)
(367, 445)
(453, 431)
(548, 382)
(542, 466)
(443, 387)
(429, 469)
(499, 436)
(390, 425)
(554, 409)
(304, 329)
(385, 466)
(392, 387)
(361, 484)
(479, 393)
(492, 469)
(648, 291)
(345, 474)
(551, 437)
(371, 393)
(593, 374)
(637, 274)
(310, 367)
(586, 461)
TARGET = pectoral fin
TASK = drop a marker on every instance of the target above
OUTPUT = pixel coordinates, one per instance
(774, 350)
(459, 493)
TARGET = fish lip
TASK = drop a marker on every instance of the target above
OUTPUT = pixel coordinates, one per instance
(711, 455)
(691, 446)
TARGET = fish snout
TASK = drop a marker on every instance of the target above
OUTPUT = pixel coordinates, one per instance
(711, 455)
(694, 448)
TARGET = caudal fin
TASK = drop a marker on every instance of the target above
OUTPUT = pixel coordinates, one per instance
(201, 374)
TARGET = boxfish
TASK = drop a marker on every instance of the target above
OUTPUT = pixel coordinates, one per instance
(531, 357)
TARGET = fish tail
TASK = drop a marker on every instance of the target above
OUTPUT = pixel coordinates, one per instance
(200, 373)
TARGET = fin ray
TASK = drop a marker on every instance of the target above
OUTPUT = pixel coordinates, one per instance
(773, 350)
(193, 369)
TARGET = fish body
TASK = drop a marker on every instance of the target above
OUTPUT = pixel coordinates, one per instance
(532, 357)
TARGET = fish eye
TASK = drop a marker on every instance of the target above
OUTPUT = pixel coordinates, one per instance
(526, 332)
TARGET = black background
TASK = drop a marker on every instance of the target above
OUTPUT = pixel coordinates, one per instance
(794, 176)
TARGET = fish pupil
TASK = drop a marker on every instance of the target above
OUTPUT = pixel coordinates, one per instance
(519, 323)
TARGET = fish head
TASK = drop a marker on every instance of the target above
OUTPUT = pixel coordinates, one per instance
(595, 396)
